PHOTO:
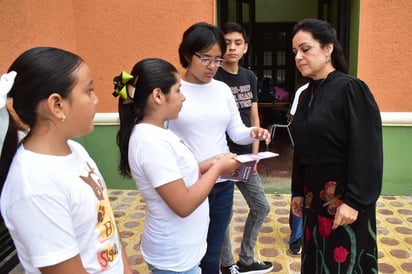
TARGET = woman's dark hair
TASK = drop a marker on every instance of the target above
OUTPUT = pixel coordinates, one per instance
(41, 71)
(200, 37)
(230, 27)
(325, 34)
(150, 73)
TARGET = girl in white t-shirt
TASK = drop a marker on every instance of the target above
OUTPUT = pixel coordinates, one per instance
(54, 200)
(173, 184)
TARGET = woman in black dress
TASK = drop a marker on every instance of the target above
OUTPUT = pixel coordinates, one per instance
(338, 160)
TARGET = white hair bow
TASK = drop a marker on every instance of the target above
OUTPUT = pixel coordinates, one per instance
(6, 82)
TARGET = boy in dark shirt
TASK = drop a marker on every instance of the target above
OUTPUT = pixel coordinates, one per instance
(244, 88)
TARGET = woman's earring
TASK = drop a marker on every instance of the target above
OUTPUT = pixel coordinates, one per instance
(63, 118)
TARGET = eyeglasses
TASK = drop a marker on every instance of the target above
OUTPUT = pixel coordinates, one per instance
(206, 61)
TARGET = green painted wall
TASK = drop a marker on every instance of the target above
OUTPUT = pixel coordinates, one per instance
(397, 179)
(101, 145)
(397, 172)
(354, 37)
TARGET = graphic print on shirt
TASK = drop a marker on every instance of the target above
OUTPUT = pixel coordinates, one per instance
(105, 219)
(243, 96)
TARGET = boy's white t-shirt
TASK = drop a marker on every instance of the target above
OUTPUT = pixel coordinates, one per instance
(56, 207)
(157, 157)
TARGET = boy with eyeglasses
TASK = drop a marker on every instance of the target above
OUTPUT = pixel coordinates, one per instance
(244, 89)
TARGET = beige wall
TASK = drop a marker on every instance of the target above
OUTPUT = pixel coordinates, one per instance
(110, 35)
(385, 53)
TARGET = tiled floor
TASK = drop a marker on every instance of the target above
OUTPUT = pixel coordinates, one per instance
(394, 220)
(394, 231)
(281, 166)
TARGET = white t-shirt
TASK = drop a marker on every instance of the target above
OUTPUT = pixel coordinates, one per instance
(207, 113)
(56, 207)
(157, 157)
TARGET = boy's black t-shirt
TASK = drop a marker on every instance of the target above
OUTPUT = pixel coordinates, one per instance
(244, 90)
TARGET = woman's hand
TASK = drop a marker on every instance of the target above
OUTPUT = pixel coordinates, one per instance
(345, 215)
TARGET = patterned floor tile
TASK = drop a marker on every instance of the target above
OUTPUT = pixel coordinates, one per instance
(394, 231)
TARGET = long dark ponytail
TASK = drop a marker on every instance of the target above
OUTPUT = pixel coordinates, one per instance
(148, 74)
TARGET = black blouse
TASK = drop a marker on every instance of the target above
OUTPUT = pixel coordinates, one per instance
(338, 122)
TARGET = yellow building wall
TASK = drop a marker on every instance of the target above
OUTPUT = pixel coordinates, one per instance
(385, 53)
(109, 35)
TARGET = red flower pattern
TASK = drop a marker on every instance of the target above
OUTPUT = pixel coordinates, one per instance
(307, 234)
(329, 191)
(340, 254)
(328, 195)
(325, 226)
(332, 207)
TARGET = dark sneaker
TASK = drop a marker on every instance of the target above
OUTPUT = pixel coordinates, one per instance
(257, 267)
(233, 269)
(296, 247)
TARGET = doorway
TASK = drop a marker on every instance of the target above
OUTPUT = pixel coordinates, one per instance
(270, 53)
